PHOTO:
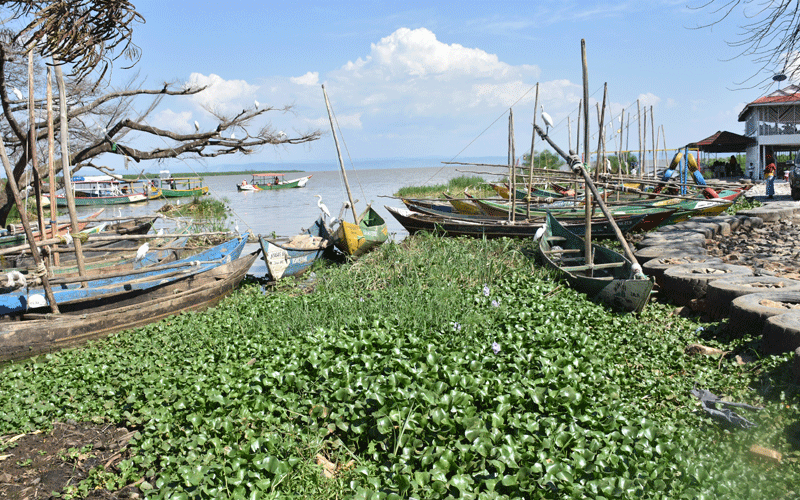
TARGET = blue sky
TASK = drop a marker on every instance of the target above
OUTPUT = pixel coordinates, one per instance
(414, 79)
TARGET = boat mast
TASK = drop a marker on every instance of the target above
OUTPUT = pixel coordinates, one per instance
(339, 153)
(587, 192)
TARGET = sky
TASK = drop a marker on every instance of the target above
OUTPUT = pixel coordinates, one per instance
(437, 79)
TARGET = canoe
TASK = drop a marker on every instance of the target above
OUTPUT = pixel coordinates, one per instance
(610, 279)
(463, 206)
(477, 227)
(39, 333)
(357, 239)
(104, 288)
(180, 187)
(269, 182)
(293, 257)
(15, 234)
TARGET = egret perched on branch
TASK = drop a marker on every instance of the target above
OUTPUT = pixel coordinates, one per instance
(256, 103)
(547, 121)
(17, 93)
(281, 134)
(196, 126)
(233, 136)
(322, 206)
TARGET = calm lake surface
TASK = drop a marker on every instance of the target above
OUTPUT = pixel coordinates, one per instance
(285, 212)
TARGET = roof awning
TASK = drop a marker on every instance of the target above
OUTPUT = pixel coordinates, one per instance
(723, 142)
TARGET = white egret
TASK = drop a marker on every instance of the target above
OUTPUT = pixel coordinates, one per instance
(18, 93)
(196, 125)
(256, 103)
(281, 134)
(142, 251)
(547, 121)
(322, 206)
(233, 136)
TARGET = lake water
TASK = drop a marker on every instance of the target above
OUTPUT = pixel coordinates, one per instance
(285, 212)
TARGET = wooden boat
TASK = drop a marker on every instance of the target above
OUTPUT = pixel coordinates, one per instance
(293, 257)
(105, 190)
(104, 288)
(357, 239)
(610, 279)
(269, 182)
(14, 234)
(180, 187)
(35, 334)
(478, 227)
(368, 230)
(464, 207)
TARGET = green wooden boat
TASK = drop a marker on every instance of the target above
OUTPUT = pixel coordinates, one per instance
(357, 239)
(609, 279)
(180, 187)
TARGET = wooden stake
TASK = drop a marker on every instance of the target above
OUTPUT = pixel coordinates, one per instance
(533, 143)
(339, 153)
(588, 217)
(23, 214)
(511, 166)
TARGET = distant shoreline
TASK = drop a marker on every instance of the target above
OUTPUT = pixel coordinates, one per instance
(211, 174)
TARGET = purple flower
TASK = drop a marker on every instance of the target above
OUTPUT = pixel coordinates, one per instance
(361, 299)
(495, 303)
(457, 326)
(496, 347)
(485, 289)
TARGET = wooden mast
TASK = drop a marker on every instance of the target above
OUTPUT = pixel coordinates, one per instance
(339, 153)
(587, 193)
(533, 143)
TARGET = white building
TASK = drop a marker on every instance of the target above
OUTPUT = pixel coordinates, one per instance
(774, 122)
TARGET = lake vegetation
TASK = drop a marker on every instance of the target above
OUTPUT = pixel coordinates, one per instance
(455, 187)
(430, 368)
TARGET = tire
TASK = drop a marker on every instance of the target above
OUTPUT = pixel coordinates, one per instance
(749, 312)
(667, 239)
(647, 253)
(722, 292)
(781, 333)
(683, 283)
(655, 267)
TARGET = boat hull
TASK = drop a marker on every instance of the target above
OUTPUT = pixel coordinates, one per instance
(293, 258)
(611, 282)
(357, 239)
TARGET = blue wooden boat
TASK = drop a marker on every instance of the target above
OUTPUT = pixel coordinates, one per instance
(111, 288)
(293, 257)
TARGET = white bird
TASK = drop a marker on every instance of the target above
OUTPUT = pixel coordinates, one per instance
(547, 121)
(17, 93)
(281, 133)
(257, 104)
(142, 251)
(322, 206)
(196, 125)
(236, 227)
(160, 231)
(233, 136)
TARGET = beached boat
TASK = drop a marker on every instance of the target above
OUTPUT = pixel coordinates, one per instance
(180, 187)
(294, 256)
(104, 288)
(36, 333)
(269, 182)
(483, 227)
(105, 190)
(463, 206)
(368, 230)
(14, 234)
(357, 239)
(610, 278)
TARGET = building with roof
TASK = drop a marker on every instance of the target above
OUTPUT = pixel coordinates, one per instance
(774, 122)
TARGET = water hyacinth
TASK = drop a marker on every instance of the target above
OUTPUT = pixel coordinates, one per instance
(456, 326)
(495, 303)
(485, 290)
(496, 347)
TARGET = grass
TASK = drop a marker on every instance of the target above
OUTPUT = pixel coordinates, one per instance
(455, 187)
(389, 370)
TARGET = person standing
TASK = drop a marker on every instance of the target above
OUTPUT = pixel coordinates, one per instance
(769, 174)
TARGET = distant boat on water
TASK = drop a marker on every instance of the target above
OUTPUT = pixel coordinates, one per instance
(270, 181)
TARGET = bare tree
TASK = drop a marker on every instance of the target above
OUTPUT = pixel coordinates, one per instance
(104, 120)
(770, 37)
(86, 34)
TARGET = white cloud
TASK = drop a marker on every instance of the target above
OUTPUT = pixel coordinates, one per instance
(344, 121)
(307, 79)
(224, 96)
(649, 99)
(171, 120)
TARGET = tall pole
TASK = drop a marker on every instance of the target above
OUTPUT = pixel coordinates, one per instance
(644, 141)
(533, 143)
(66, 170)
(339, 153)
(639, 119)
(37, 185)
(578, 129)
(587, 193)
(621, 130)
(51, 171)
(652, 139)
(23, 215)
(511, 167)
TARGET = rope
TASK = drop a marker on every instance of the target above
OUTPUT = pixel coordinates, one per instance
(82, 237)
